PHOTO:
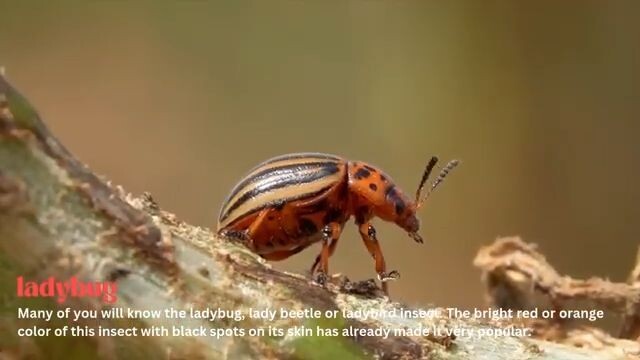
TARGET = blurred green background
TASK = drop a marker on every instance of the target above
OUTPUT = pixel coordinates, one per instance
(540, 101)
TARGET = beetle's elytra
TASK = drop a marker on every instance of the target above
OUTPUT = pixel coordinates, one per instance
(291, 201)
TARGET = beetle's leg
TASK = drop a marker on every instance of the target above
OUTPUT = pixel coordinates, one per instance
(236, 235)
(332, 249)
(247, 236)
(255, 225)
(368, 234)
(330, 234)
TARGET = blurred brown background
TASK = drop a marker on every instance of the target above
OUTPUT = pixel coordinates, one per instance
(539, 101)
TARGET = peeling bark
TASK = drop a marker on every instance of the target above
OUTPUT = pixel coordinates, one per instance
(59, 219)
(630, 328)
(518, 277)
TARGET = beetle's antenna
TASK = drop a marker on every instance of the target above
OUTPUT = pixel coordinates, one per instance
(443, 174)
(425, 176)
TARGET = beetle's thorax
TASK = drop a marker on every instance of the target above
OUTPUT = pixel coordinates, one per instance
(373, 193)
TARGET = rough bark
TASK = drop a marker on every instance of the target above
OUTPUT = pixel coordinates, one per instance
(518, 277)
(59, 219)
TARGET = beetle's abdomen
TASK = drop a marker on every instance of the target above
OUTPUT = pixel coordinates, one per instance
(281, 180)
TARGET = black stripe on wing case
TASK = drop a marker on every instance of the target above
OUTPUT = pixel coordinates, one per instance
(266, 205)
(274, 171)
(302, 178)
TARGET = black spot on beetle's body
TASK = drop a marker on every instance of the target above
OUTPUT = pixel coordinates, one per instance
(307, 227)
(383, 178)
(370, 168)
(400, 207)
(391, 192)
(394, 198)
(362, 174)
(373, 187)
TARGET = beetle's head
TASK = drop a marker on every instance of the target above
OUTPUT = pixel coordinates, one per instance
(385, 200)
(409, 221)
(411, 224)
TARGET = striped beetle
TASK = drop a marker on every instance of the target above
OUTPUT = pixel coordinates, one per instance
(291, 201)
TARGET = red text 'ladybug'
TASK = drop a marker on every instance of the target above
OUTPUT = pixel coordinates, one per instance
(292, 201)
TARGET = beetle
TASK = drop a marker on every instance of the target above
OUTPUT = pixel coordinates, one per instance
(289, 202)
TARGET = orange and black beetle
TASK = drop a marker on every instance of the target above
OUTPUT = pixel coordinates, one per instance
(291, 201)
